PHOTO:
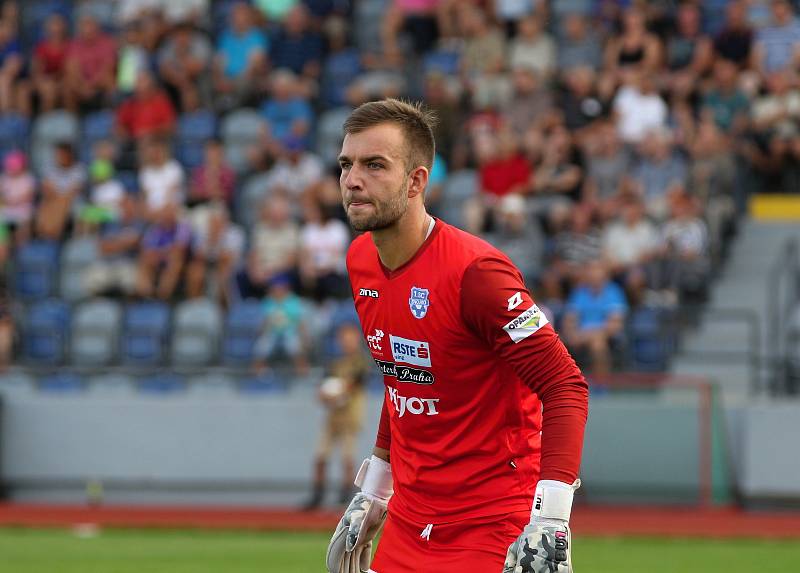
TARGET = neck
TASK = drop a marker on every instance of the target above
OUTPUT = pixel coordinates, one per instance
(398, 243)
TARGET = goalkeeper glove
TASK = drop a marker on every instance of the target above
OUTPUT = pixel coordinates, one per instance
(350, 549)
(544, 546)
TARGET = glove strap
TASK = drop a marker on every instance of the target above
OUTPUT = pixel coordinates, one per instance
(375, 478)
(553, 499)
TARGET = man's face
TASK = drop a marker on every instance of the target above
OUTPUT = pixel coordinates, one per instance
(374, 181)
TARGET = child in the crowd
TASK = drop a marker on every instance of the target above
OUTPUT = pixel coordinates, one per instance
(105, 196)
(17, 192)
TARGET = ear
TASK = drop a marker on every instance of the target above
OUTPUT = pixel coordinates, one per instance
(417, 181)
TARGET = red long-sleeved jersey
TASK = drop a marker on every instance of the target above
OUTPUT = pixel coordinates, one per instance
(482, 398)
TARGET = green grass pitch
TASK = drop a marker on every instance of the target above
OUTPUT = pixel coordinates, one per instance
(158, 551)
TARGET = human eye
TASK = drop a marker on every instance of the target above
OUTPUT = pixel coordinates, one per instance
(375, 165)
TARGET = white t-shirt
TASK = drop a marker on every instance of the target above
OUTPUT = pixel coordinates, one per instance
(626, 245)
(108, 194)
(162, 184)
(638, 113)
(327, 244)
(295, 178)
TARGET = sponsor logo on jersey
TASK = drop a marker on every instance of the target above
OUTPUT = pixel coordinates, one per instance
(418, 302)
(405, 373)
(514, 301)
(410, 351)
(526, 324)
(374, 340)
(412, 405)
(368, 292)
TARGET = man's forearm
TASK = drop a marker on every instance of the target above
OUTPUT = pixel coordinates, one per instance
(381, 453)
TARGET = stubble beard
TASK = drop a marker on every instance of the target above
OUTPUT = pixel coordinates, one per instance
(384, 214)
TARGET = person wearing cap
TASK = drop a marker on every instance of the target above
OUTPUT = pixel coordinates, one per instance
(18, 191)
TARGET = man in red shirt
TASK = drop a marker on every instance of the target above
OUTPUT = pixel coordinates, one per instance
(147, 113)
(482, 424)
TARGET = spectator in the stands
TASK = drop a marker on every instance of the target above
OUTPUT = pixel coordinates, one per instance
(287, 112)
(531, 103)
(297, 170)
(686, 247)
(503, 170)
(519, 236)
(777, 46)
(725, 102)
(12, 68)
(115, 270)
(639, 108)
(533, 48)
(241, 60)
(49, 63)
(580, 45)
(416, 17)
(146, 113)
(659, 169)
(342, 64)
(689, 51)
(274, 11)
(106, 196)
(132, 57)
(62, 184)
(17, 194)
(6, 327)
(215, 254)
(297, 46)
(483, 55)
(630, 247)
(559, 175)
(284, 331)
(90, 82)
(214, 180)
(184, 63)
(161, 178)
(734, 42)
(163, 254)
(595, 317)
(607, 164)
(576, 241)
(274, 248)
(323, 248)
(584, 100)
(635, 49)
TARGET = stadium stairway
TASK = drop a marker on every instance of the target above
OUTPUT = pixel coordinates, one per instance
(729, 342)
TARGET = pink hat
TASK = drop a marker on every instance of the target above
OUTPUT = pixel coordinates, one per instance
(14, 161)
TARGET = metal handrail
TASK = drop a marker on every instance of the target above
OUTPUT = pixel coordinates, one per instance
(780, 299)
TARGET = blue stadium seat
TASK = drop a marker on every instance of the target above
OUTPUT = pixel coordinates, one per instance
(45, 332)
(96, 127)
(76, 257)
(162, 383)
(33, 15)
(14, 132)
(442, 61)
(242, 327)
(129, 180)
(35, 270)
(648, 339)
(240, 131)
(195, 333)
(338, 73)
(62, 382)
(144, 334)
(48, 130)
(95, 332)
(194, 130)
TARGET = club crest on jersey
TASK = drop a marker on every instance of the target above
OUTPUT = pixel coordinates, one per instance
(418, 302)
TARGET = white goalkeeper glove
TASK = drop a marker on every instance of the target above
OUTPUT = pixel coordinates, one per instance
(350, 549)
(544, 546)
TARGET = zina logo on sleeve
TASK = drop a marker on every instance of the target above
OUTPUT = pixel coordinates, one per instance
(526, 324)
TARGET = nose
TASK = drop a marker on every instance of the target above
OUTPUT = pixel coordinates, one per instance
(352, 179)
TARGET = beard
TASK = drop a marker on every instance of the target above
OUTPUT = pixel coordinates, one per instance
(384, 214)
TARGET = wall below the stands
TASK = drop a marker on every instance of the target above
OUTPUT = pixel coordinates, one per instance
(258, 449)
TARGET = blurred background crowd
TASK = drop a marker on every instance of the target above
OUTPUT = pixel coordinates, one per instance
(169, 190)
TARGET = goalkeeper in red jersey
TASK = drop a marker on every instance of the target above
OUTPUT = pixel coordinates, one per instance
(479, 444)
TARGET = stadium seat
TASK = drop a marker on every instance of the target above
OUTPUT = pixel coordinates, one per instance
(328, 140)
(49, 129)
(14, 132)
(648, 339)
(212, 385)
(62, 382)
(78, 254)
(129, 180)
(95, 332)
(250, 199)
(96, 127)
(195, 338)
(242, 327)
(45, 332)
(460, 186)
(338, 72)
(194, 130)
(162, 383)
(34, 270)
(145, 334)
(112, 385)
(16, 383)
(268, 384)
(241, 130)
(442, 61)
(33, 13)
(368, 16)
